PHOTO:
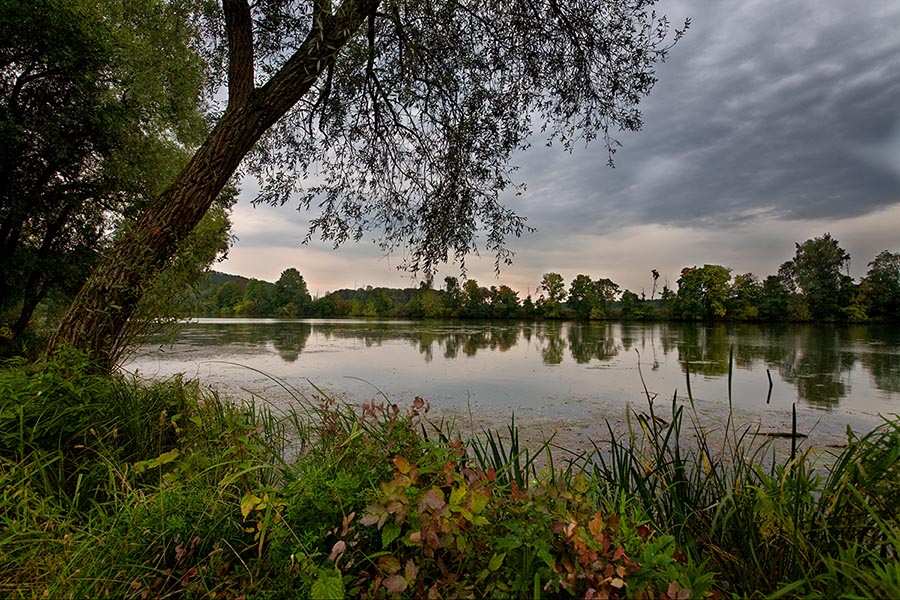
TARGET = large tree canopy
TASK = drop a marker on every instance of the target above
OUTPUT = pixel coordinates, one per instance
(819, 271)
(397, 117)
(99, 103)
(703, 292)
(882, 285)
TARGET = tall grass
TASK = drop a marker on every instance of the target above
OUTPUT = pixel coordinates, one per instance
(114, 488)
(765, 524)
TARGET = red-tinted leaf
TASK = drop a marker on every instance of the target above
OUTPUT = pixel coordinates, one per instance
(395, 584)
(337, 550)
(373, 514)
(613, 522)
(433, 499)
(346, 523)
(411, 570)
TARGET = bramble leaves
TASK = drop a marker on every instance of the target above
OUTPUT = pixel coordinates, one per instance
(328, 585)
(448, 526)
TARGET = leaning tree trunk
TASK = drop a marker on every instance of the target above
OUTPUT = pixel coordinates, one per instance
(97, 320)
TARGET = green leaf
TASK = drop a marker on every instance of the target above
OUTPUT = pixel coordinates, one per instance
(580, 484)
(496, 561)
(162, 459)
(389, 533)
(248, 503)
(457, 494)
(479, 501)
(328, 585)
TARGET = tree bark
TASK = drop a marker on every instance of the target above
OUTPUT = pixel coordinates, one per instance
(239, 25)
(96, 323)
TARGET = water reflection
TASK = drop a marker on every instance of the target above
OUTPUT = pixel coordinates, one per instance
(824, 364)
(553, 346)
(288, 339)
(705, 349)
(885, 370)
(588, 342)
(466, 341)
(818, 363)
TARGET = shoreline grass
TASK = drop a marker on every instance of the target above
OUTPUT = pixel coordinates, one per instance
(114, 488)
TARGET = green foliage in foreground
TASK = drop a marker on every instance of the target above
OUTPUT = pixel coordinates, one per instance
(110, 488)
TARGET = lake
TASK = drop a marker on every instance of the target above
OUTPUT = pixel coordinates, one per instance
(554, 376)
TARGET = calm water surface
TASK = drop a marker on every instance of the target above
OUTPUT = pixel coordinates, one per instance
(572, 375)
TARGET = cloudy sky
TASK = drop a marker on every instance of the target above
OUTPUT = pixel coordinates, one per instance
(773, 121)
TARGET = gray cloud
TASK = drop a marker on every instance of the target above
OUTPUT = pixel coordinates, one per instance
(767, 107)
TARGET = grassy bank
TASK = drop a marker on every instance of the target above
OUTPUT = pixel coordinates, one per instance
(112, 488)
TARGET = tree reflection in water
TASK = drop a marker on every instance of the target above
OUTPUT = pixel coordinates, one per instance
(818, 361)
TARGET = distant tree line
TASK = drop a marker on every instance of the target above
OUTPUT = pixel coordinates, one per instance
(813, 286)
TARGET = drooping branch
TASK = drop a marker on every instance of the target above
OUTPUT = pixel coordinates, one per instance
(239, 28)
(326, 39)
(322, 13)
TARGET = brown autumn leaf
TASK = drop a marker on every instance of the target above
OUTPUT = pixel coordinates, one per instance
(595, 526)
(402, 464)
(395, 584)
(389, 564)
